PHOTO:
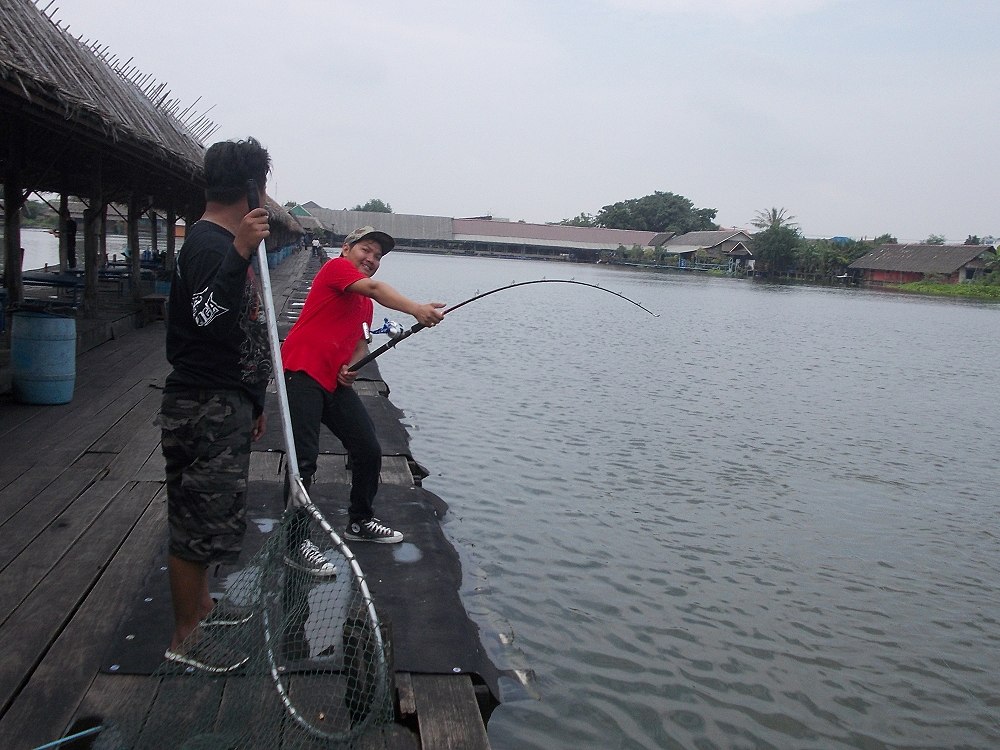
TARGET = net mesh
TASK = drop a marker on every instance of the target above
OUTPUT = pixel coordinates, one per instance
(315, 667)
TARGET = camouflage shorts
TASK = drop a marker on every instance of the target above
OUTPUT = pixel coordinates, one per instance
(206, 439)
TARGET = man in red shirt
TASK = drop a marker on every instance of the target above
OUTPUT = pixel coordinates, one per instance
(328, 336)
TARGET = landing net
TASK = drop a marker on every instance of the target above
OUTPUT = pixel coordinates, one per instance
(317, 674)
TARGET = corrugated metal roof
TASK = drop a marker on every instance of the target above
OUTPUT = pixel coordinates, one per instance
(919, 258)
(549, 234)
(698, 240)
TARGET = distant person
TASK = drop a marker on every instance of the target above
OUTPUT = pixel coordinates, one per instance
(213, 399)
(317, 248)
(71, 242)
(328, 336)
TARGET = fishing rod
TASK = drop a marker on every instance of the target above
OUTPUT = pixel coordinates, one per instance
(397, 334)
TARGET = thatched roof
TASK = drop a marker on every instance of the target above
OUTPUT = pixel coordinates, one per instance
(71, 112)
(916, 258)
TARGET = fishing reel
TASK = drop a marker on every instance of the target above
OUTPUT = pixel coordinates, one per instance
(392, 328)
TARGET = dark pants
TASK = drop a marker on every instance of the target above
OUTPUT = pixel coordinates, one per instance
(343, 413)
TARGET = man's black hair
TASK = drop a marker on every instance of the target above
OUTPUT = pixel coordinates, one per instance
(228, 166)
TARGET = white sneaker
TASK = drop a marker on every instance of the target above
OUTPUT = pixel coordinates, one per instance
(310, 560)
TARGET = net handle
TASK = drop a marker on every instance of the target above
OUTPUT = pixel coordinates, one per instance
(300, 497)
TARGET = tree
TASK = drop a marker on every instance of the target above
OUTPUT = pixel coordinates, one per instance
(973, 240)
(828, 257)
(38, 214)
(885, 239)
(582, 220)
(659, 212)
(935, 239)
(774, 249)
(773, 218)
(375, 204)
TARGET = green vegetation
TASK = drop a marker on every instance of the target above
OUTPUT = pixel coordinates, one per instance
(773, 218)
(971, 290)
(374, 204)
(780, 249)
(659, 212)
(37, 214)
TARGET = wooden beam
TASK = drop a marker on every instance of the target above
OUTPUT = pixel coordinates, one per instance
(132, 232)
(13, 199)
(448, 714)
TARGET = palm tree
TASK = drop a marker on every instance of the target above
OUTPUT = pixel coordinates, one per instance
(773, 218)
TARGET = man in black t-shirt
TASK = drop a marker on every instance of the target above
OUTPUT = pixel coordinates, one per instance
(213, 399)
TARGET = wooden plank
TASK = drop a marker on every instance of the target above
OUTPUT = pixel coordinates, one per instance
(266, 466)
(391, 737)
(258, 698)
(19, 491)
(41, 615)
(371, 388)
(448, 714)
(22, 524)
(57, 684)
(121, 433)
(50, 444)
(109, 695)
(406, 703)
(58, 539)
(153, 469)
(396, 470)
(331, 469)
(143, 443)
(184, 704)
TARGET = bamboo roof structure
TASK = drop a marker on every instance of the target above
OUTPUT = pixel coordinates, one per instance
(77, 120)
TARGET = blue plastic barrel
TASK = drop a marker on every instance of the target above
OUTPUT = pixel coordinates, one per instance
(43, 357)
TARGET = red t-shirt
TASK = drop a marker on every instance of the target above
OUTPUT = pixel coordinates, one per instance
(330, 325)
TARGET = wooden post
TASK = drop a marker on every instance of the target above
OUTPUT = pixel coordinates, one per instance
(92, 223)
(13, 200)
(132, 233)
(171, 238)
(153, 244)
(63, 233)
(102, 242)
(93, 216)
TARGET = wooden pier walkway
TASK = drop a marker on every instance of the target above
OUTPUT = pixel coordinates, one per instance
(82, 515)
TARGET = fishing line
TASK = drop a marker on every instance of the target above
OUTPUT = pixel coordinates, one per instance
(397, 333)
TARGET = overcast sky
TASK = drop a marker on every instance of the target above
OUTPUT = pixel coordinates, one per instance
(858, 117)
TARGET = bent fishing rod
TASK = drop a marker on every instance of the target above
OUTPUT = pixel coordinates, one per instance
(397, 334)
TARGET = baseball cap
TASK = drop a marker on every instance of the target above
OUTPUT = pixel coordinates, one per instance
(382, 238)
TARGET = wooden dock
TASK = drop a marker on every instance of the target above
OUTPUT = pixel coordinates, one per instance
(82, 511)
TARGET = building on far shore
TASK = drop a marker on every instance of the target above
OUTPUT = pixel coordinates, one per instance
(481, 235)
(904, 264)
(730, 246)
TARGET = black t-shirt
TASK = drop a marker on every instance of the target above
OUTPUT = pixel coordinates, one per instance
(216, 327)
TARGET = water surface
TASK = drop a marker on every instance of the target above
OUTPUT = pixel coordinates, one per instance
(766, 518)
